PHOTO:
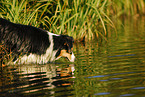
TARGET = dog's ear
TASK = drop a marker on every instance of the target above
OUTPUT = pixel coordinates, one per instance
(69, 38)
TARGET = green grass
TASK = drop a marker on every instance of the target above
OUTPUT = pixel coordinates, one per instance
(82, 19)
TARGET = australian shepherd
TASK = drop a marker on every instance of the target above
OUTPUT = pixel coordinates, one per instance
(29, 44)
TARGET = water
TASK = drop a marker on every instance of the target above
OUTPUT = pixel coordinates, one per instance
(103, 69)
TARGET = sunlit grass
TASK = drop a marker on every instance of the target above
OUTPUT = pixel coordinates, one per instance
(82, 19)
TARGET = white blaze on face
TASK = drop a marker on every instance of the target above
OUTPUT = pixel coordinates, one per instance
(72, 58)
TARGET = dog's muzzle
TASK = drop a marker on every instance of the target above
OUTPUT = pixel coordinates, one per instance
(72, 58)
(69, 56)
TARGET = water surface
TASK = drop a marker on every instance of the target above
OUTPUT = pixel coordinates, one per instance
(115, 68)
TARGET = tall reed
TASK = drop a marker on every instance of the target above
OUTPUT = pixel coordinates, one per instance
(78, 18)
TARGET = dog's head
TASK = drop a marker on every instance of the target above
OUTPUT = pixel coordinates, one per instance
(65, 48)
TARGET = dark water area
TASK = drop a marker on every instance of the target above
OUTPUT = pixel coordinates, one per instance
(115, 68)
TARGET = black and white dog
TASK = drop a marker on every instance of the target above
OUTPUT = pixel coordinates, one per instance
(29, 44)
